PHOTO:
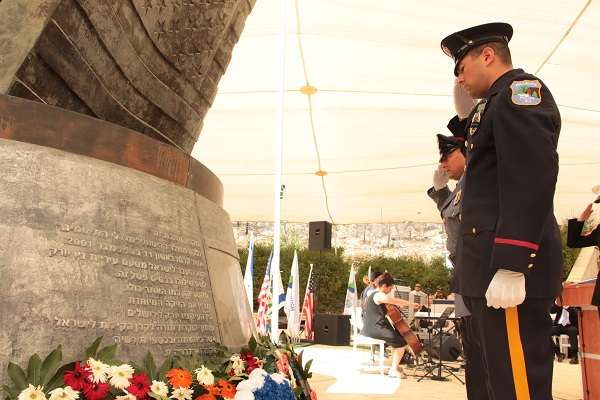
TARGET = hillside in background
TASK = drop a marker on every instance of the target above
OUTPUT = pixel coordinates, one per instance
(388, 240)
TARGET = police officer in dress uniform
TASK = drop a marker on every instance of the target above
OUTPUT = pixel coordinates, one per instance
(509, 253)
(576, 240)
(452, 166)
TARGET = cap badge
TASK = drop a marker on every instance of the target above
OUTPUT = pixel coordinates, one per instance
(526, 93)
(447, 51)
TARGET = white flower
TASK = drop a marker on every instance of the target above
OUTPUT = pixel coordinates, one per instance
(32, 393)
(243, 396)
(251, 385)
(182, 394)
(159, 388)
(99, 370)
(257, 372)
(119, 375)
(127, 396)
(238, 365)
(204, 376)
(66, 393)
(279, 378)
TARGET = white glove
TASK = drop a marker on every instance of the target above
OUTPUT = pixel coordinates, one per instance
(463, 103)
(440, 178)
(507, 289)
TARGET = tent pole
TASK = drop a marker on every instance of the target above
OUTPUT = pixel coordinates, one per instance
(278, 189)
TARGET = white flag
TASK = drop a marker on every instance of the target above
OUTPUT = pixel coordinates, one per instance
(249, 274)
(351, 299)
(292, 298)
(276, 274)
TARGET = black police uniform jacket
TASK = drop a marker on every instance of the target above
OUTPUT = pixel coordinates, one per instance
(576, 240)
(507, 216)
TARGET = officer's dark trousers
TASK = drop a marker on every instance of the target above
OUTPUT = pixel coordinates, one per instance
(517, 355)
(475, 375)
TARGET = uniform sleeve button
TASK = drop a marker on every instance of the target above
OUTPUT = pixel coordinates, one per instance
(530, 265)
(474, 230)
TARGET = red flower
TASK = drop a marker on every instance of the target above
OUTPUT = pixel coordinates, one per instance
(227, 389)
(139, 385)
(96, 391)
(77, 378)
(251, 361)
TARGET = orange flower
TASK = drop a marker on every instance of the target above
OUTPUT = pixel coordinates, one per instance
(179, 378)
(212, 390)
(207, 396)
(227, 389)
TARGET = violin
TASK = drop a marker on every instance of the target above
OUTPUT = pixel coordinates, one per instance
(395, 317)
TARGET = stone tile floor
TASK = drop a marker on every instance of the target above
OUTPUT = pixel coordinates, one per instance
(339, 374)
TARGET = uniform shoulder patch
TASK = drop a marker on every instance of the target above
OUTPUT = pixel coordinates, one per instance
(526, 93)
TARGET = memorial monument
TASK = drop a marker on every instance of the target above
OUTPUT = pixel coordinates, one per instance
(108, 227)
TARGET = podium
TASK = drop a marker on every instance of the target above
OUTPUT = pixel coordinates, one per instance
(580, 295)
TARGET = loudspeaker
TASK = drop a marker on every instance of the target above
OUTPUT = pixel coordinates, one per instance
(332, 329)
(451, 348)
(319, 236)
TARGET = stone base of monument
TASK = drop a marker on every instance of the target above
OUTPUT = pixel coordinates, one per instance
(106, 232)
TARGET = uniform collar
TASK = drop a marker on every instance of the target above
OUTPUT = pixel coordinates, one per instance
(502, 81)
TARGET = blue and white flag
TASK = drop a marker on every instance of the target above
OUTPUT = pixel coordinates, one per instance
(292, 297)
(276, 274)
(351, 299)
(249, 274)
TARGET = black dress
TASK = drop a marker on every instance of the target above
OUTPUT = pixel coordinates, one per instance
(378, 327)
(576, 240)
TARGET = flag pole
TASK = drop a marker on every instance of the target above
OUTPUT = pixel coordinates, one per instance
(278, 188)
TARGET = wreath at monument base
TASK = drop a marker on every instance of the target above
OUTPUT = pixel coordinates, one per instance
(260, 371)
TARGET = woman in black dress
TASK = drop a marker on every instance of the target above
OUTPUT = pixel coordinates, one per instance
(377, 325)
(575, 239)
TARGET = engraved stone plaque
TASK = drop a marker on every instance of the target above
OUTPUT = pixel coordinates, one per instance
(89, 248)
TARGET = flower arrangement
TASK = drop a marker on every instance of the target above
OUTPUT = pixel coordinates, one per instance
(261, 371)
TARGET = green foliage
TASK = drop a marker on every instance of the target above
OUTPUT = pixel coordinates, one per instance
(44, 374)
(409, 270)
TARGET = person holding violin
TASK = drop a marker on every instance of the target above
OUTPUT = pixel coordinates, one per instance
(377, 325)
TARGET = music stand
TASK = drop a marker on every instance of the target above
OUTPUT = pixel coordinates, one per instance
(439, 324)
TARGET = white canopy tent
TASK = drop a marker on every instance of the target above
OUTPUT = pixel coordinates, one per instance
(383, 91)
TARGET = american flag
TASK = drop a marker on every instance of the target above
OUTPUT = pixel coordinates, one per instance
(264, 300)
(307, 306)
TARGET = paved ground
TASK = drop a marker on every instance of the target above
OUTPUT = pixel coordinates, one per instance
(339, 374)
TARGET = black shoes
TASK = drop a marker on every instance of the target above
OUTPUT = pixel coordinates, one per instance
(574, 360)
(560, 357)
